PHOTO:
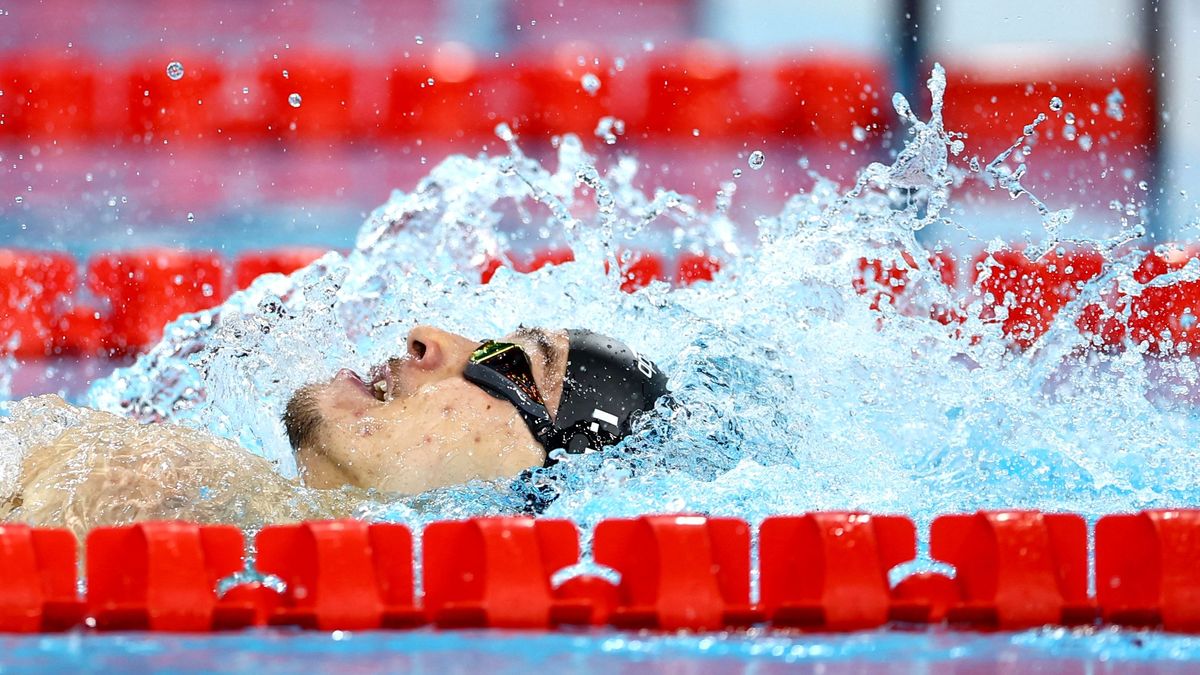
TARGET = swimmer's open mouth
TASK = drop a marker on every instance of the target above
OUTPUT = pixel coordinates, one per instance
(381, 382)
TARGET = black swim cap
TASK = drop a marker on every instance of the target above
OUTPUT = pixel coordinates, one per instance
(607, 384)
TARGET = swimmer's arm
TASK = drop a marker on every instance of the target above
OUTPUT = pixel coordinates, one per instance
(107, 470)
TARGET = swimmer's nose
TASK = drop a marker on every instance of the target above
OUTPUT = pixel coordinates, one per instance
(431, 348)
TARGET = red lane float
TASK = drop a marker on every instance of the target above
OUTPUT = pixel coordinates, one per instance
(250, 266)
(886, 281)
(38, 589)
(496, 572)
(33, 288)
(825, 571)
(992, 102)
(693, 267)
(162, 109)
(1031, 292)
(48, 96)
(446, 93)
(823, 99)
(829, 571)
(341, 574)
(308, 97)
(148, 288)
(1165, 317)
(558, 95)
(639, 269)
(162, 576)
(526, 264)
(695, 89)
(1016, 569)
(678, 572)
(1146, 573)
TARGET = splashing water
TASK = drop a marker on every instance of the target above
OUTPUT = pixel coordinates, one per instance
(794, 394)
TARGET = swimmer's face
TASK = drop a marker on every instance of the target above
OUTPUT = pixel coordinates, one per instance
(414, 423)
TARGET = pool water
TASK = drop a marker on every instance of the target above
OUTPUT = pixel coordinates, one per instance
(1040, 651)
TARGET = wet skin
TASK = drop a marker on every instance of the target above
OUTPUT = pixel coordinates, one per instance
(415, 423)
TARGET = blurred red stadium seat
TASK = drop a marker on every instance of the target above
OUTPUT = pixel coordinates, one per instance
(148, 288)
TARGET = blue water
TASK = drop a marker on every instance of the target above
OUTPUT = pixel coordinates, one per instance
(499, 652)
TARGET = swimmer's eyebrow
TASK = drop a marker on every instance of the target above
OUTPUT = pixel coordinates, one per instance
(541, 340)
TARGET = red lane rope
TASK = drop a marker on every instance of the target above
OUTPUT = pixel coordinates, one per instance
(138, 292)
(818, 571)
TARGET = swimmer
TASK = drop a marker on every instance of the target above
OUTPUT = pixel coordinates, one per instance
(448, 411)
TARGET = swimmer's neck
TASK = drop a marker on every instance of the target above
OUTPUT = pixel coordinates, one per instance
(319, 472)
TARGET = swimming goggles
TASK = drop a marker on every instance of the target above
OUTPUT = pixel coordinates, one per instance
(502, 369)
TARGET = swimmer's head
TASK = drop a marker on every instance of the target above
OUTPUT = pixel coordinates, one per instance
(446, 413)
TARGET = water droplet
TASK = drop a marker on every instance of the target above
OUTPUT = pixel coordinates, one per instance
(88, 177)
(504, 132)
(420, 40)
(285, 74)
(245, 90)
(590, 83)
(608, 128)
(191, 217)
(1085, 142)
(757, 159)
(1069, 132)
(737, 173)
(859, 133)
(175, 70)
(1056, 104)
(957, 146)
(1069, 118)
(1143, 185)
(696, 133)
(647, 46)
(294, 100)
(20, 199)
(1115, 105)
